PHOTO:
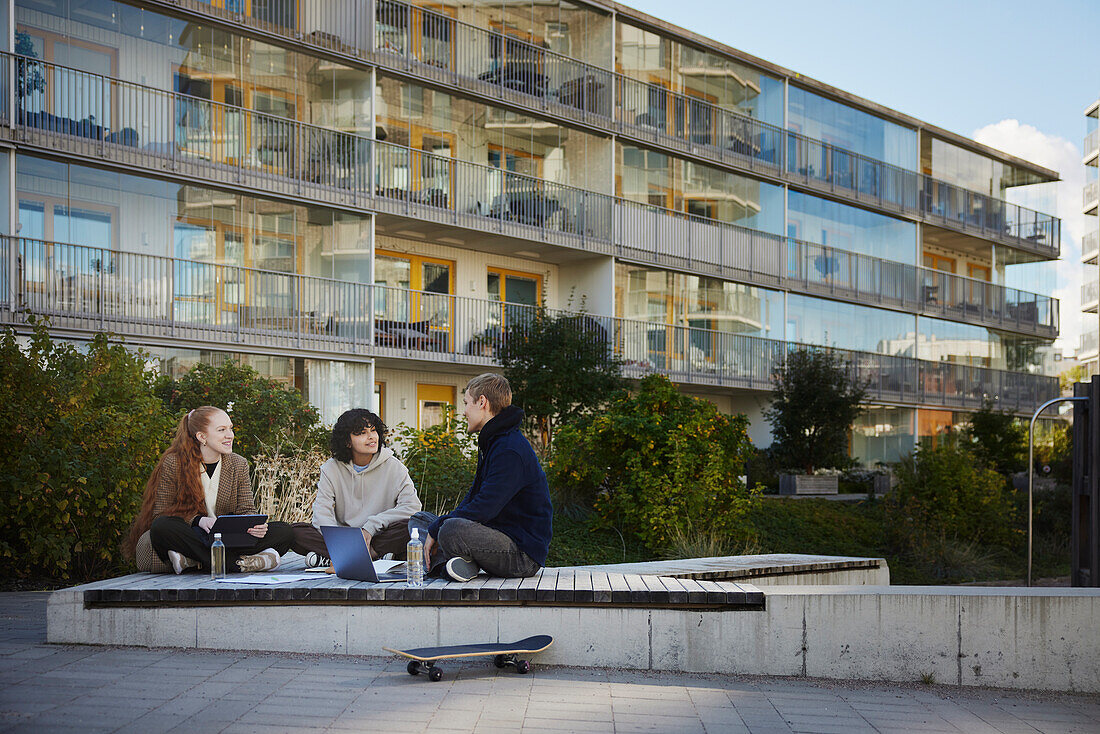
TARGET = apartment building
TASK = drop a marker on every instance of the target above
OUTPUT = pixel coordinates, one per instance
(1089, 348)
(359, 196)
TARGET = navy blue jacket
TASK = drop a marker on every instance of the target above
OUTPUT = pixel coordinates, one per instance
(510, 492)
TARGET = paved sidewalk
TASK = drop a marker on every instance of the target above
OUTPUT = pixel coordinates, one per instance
(92, 689)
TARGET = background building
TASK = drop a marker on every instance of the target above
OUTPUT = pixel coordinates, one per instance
(346, 194)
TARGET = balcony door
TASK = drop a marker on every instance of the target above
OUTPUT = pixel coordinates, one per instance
(431, 403)
(415, 308)
(518, 293)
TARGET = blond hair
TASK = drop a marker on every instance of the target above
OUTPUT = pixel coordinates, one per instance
(494, 387)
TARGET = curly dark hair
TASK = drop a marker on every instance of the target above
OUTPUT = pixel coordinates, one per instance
(352, 423)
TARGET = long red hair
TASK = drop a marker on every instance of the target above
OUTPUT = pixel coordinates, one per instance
(189, 499)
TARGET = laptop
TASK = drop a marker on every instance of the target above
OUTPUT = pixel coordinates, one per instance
(350, 556)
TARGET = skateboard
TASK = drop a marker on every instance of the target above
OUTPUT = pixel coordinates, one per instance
(423, 659)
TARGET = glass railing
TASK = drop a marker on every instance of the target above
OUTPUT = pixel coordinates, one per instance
(1092, 143)
(1090, 341)
(88, 289)
(1090, 293)
(1090, 246)
(449, 51)
(1090, 195)
(240, 147)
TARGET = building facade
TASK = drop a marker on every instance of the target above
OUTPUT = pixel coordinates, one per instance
(1089, 348)
(356, 197)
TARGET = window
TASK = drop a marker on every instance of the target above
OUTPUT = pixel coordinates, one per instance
(430, 403)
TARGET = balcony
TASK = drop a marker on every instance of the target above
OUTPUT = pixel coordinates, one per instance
(1090, 294)
(195, 139)
(432, 45)
(85, 290)
(1091, 147)
(1089, 198)
(1090, 247)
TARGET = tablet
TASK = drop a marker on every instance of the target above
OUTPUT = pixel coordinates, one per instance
(234, 529)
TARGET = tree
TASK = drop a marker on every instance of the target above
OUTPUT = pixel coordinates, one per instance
(560, 366)
(814, 403)
(1076, 373)
(30, 76)
(997, 439)
(264, 412)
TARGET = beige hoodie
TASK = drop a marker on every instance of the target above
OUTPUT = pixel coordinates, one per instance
(372, 499)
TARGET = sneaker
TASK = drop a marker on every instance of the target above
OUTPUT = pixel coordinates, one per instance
(387, 557)
(180, 562)
(316, 560)
(459, 569)
(265, 560)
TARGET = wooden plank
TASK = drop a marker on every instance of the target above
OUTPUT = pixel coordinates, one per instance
(658, 594)
(490, 590)
(546, 590)
(366, 591)
(696, 594)
(509, 589)
(582, 586)
(450, 591)
(675, 590)
(601, 588)
(526, 591)
(715, 593)
(620, 591)
(639, 594)
(433, 588)
(564, 589)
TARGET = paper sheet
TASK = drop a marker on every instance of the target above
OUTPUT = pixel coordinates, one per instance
(266, 579)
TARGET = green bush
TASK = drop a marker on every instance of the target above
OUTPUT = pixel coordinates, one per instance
(441, 461)
(943, 492)
(265, 413)
(997, 439)
(656, 462)
(84, 431)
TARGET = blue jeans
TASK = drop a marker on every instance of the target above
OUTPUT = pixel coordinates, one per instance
(492, 550)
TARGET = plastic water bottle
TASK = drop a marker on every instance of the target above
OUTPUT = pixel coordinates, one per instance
(414, 560)
(217, 558)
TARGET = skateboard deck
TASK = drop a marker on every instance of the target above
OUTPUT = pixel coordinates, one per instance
(424, 659)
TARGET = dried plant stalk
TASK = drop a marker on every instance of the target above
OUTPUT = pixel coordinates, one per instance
(285, 483)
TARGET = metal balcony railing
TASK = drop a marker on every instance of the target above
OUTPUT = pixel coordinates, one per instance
(88, 289)
(1090, 195)
(100, 117)
(452, 52)
(1090, 246)
(1092, 144)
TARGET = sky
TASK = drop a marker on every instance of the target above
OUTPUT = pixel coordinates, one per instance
(1016, 75)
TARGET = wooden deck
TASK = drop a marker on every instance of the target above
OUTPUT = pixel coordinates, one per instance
(551, 587)
(730, 568)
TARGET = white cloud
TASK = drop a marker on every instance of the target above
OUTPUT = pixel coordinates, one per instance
(1064, 156)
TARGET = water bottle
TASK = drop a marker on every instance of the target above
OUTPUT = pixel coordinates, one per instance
(414, 560)
(217, 558)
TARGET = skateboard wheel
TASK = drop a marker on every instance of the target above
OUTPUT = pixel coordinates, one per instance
(522, 666)
(413, 667)
(435, 674)
(499, 661)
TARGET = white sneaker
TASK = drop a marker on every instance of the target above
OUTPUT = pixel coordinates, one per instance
(265, 560)
(180, 562)
(316, 560)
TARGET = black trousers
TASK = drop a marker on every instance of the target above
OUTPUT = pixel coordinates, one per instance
(176, 534)
(391, 539)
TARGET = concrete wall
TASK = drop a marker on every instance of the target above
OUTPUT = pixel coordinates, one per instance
(1013, 638)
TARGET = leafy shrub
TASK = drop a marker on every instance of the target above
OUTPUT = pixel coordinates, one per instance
(441, 460)
(83, 431)
(997, 439)
(657, 461)
(265, 413)
(942, 492)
